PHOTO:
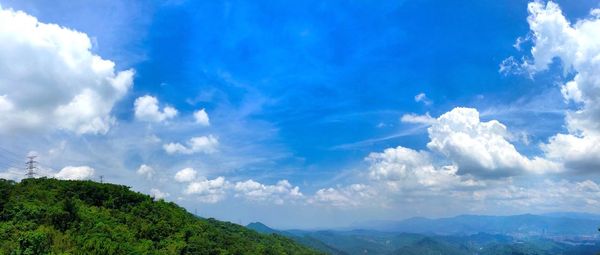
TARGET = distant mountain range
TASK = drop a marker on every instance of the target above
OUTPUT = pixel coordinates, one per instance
(552, 224)
(553, 233)
(297, 236)
(573, 215)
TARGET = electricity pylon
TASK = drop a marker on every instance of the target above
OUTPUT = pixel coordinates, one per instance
(31, 166)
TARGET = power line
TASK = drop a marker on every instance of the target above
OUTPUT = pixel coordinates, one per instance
(9, 157)
(5, 166)
(10, 164)
(6, 152)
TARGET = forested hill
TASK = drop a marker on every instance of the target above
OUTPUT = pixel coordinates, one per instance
(49, 216)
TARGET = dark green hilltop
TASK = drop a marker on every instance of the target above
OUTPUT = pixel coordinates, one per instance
(49, 216)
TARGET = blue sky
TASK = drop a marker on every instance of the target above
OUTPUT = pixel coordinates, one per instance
(314, 92)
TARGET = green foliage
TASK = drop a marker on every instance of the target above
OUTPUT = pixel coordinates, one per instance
(48, 216)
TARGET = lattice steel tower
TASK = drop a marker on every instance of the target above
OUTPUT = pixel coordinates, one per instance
(31, 166)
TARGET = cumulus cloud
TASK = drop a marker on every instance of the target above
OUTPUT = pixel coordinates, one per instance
(481, 148)
(146, 171)
(215, 190)
(480, 196)
(468, 158)
(157, 194)
(465, 155)
(581, 153)
(205, 144)
(75, 173)
(201, 117)
(147, 109)
(577, 46)
(406, 169)
(208, 191)
(205, 190)
(51, 80)
(278, 193)
(186, 175)
(502, 194)
(417, 119)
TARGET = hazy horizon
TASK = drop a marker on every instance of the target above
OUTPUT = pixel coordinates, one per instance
(310, 114)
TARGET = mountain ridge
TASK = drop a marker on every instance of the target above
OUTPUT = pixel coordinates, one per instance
(50, 216)
(527, 224)
(363, 241)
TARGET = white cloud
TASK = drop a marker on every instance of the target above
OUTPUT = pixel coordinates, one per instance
(520, 41)
(12, 173)
(577, 46)
(417, 188)
(208, 191)
(147, 109)
(201, 117)
(489, 196)
(215, 190)
(406, 169)
(349, 196)
(470, 155)
(421, 97)
(417, 119)
(278, 193)
(5, 105)
(17, 174)
(75, 173)
(205, 144)
(553, 36)
(575, 152)
(145, 171)
(51, 80)
(186, 175)
(481, 148)
(152, 139)
(512, 66)
(545, 196)
(173, 148)
(157, 194)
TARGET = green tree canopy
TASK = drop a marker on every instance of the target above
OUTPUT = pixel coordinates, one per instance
(49, 216)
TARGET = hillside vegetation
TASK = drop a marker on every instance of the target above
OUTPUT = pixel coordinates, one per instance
(48, 216)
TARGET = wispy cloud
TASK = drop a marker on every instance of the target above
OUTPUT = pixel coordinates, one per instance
(370, 142)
